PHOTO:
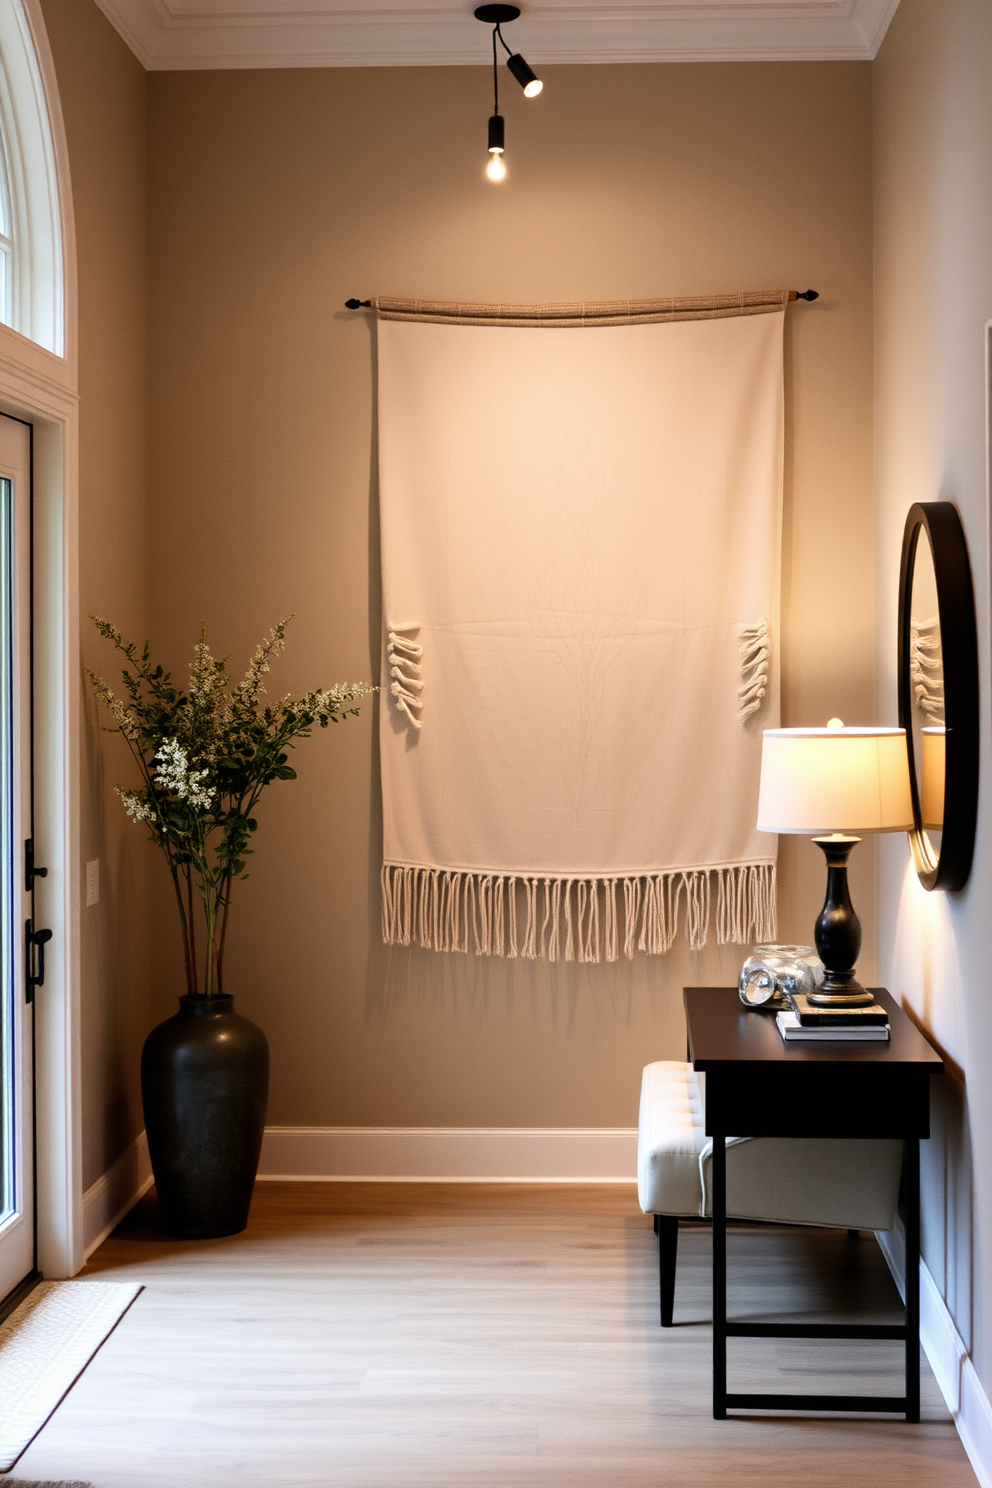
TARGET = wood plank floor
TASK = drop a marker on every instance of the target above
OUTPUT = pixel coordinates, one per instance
(371, 1334)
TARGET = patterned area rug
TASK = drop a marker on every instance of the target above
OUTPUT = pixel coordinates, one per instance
(45, 1344)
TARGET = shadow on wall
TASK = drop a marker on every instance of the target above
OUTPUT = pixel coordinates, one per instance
(925, 959)
(115, 990)
(946, 1174)
(562, 993)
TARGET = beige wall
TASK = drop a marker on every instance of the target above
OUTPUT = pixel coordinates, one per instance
(273, 197)
(102, 90)
(933, 286)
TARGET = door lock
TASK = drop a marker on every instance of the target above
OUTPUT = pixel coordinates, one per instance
(31, 872)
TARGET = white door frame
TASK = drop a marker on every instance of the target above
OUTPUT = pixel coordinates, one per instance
(17, 1235)
(40, 387)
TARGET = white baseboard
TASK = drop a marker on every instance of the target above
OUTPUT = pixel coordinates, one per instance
(949, 1358)
(106, 1201)
(408, 1154)
(394, 1154)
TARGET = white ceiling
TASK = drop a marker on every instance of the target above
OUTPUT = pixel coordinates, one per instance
(167, 34)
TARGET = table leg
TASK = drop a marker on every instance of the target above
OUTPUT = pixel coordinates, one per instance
(719, 1278)
(912, 1280)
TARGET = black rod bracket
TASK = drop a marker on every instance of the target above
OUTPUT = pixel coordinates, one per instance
(358, 304)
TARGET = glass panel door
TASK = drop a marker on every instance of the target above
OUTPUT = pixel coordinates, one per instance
(16, 1021)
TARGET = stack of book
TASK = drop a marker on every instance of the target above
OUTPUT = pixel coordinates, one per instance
(808, 1023)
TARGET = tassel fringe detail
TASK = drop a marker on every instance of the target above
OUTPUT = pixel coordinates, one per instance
(403, 657)
(926, 668)
(755, 645)
(575, 919)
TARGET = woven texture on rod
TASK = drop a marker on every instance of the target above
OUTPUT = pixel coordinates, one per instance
(582, 312)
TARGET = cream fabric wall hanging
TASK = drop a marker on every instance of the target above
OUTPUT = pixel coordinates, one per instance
(581, 525)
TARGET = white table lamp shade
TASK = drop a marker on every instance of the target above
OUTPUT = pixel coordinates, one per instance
(849, 780)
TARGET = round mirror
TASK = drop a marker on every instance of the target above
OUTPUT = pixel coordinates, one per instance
(938, 692)
(926, 675)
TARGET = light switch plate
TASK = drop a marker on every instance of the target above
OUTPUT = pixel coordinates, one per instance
(92, 882)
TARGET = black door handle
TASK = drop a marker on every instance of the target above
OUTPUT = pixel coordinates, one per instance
(34, 946)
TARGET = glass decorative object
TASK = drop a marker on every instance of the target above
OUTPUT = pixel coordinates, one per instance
(772, 972)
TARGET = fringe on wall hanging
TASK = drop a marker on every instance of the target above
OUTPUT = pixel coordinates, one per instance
(574, 919)
(926, 668)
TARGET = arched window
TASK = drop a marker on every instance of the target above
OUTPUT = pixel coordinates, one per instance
(6, 241)
(31, 299)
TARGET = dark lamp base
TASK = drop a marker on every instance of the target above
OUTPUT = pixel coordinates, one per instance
(838, 991)
(838, 931)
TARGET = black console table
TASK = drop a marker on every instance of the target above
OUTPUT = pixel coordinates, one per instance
(759, 1086)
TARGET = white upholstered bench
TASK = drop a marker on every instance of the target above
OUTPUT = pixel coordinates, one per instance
(836, 1182)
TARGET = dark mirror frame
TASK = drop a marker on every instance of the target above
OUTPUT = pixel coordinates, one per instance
(939, 521)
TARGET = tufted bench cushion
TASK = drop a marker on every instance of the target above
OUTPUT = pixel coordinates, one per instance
(849, 1184)
(670, 1139)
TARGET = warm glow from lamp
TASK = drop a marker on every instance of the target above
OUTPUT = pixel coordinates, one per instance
(933, 771)
(834, 779)
(834, 784)
(496, 169)
(532, 89)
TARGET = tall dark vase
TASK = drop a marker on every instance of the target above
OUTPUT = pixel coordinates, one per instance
(204, 1088)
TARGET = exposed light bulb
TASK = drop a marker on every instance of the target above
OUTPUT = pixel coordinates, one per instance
(496, 170)
(532, 89)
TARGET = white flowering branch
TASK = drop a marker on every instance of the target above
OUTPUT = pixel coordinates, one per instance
(205, 755)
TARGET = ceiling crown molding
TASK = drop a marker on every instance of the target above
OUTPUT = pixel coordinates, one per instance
(167, 35)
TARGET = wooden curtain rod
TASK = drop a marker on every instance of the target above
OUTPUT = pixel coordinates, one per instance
(794, 294)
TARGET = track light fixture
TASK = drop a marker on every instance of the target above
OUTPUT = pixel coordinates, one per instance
(495, 16)
(523, 72)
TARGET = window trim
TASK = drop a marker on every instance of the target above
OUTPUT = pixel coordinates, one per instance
(39, 384)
